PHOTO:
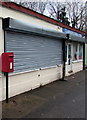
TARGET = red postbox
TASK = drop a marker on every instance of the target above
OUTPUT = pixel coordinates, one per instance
(7, 62)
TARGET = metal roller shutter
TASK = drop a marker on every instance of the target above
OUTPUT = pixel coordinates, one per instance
(33, 52)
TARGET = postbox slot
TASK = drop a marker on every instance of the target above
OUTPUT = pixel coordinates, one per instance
(11, 56)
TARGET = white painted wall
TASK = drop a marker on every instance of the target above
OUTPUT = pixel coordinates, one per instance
(20, 83)
(23, 82)
(1, 50)
(76, 67)
(0, 98)
(1, 37)
(7, 12)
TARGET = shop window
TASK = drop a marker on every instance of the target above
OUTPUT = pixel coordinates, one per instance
(80, 52)
(77, 52)
(69, 50)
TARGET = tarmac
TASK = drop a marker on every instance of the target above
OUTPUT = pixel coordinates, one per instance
(60, 99)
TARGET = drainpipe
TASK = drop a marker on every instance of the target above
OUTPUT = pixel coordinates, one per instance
(83, 56)
(64, 59)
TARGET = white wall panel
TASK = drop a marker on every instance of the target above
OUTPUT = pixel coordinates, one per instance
(76, 67)
(20, 83)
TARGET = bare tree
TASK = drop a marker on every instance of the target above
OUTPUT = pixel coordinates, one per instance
(57, 10)
(38, 6)
(75, 12)
(54, 8)
(42, 7)
(67, 12)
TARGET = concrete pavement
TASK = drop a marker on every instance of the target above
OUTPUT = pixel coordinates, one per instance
(60, 99)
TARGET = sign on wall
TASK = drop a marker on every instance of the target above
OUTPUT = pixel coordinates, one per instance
(71, 32)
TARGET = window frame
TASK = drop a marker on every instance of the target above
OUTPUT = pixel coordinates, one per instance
(72, 52)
